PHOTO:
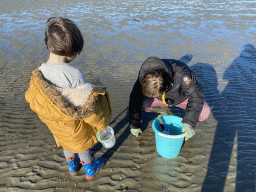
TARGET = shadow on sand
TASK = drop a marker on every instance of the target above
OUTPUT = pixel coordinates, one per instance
(234, 109)
(123, 124)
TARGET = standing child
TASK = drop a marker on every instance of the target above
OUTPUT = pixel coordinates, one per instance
(72, 109)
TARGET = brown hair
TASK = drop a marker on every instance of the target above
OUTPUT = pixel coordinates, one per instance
(63, 37)
(155, 82)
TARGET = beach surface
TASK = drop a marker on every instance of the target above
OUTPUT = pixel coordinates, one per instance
(217, 40)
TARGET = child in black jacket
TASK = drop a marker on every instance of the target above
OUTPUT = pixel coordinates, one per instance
(163, 83)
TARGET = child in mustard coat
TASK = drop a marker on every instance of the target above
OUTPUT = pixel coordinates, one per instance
(73, 109)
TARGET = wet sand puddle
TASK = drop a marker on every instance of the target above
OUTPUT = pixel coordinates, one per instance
(216, 40)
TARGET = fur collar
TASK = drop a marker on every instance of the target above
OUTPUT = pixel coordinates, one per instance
(79, 112)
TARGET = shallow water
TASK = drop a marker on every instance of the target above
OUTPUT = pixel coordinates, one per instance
(216, 39)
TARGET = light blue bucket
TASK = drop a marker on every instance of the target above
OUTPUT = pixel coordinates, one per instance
(168, 146)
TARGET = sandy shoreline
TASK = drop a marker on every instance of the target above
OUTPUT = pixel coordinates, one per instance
(220, 157)
(29, 163)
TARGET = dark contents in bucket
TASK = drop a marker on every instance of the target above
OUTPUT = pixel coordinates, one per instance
(173, 130)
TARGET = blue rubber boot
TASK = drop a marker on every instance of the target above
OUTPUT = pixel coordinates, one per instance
(74, 165)
(93, 167)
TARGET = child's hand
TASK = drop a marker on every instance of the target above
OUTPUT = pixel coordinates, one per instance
(190, 131)
(135, 131)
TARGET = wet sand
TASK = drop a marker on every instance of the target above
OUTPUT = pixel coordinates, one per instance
(220, 157)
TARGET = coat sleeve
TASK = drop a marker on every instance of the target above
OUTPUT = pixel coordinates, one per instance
(195, 101)
(135, 105)
(102, 113)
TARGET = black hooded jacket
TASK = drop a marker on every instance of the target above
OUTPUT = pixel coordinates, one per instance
(184, 86)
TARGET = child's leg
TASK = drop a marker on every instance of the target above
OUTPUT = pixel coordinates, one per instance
(205, 113)
(68, 154)
(85, 156)
(73, 162)
(149, 103)
(91, 165)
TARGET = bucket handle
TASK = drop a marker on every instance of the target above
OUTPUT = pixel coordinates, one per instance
(99, 136)
(173, 136)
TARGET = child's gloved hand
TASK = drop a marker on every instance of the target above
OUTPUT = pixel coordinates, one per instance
(135, 131)
(190, 131)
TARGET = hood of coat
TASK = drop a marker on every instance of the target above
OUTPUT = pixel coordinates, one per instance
(76, 96)
(154, 63)
(57, 103)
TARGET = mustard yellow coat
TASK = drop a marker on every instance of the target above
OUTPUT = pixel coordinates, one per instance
(74, 127)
